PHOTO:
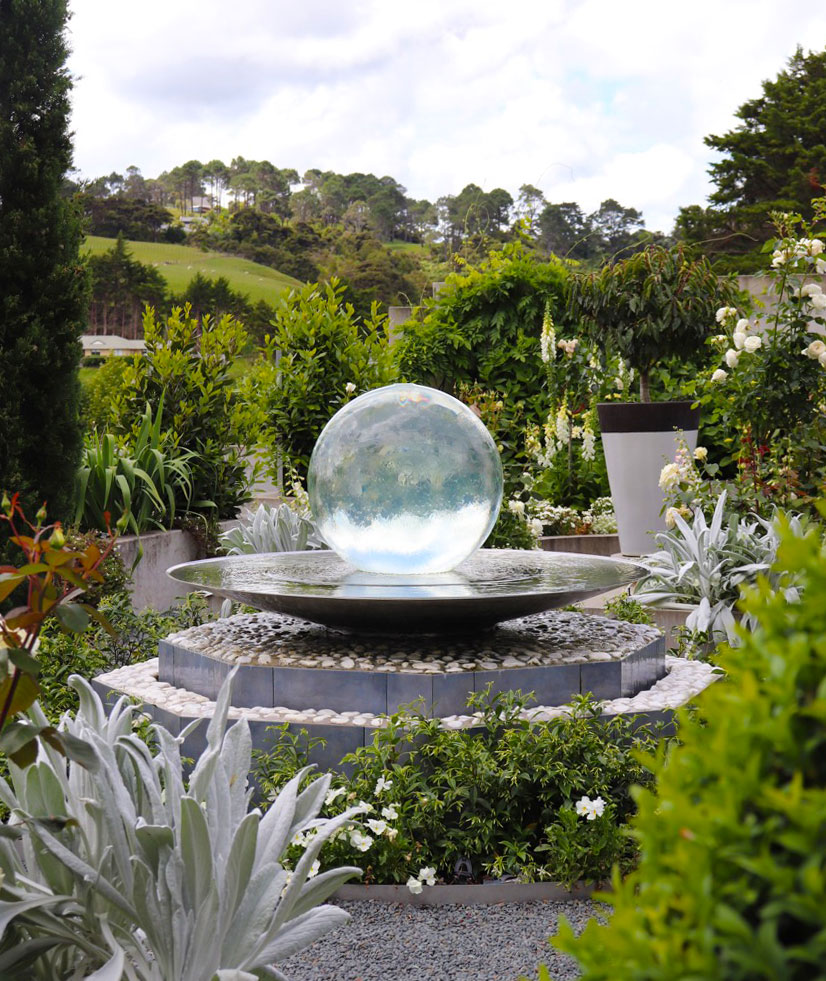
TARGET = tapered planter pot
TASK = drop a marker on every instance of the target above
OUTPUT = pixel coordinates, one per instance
(639, 438)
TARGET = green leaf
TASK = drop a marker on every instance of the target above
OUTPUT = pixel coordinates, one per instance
(22, 659)
(72, 617)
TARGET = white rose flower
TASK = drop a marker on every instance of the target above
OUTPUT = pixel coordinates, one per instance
(670, 476)
(724, 313)
(670, 517)
(719, 375)
(739, 339)
(743, 325)
(701, 454)
(815, 246)
(751, 344)
(818, 301)
(822, 359)
(732, 357)
(809, 289)
(820, 266)
(414, 885)
(815, 349)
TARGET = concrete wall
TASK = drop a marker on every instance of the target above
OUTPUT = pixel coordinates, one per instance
(161, 550)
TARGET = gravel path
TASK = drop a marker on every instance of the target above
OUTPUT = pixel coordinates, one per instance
(384, 942)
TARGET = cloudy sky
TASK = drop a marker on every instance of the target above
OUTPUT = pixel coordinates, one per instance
(585, 99)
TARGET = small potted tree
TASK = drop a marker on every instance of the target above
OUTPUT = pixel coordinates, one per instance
(657, 304)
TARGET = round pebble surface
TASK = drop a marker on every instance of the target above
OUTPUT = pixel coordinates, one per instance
(387, 942)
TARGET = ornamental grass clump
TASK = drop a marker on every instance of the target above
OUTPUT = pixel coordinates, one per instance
(730, 885)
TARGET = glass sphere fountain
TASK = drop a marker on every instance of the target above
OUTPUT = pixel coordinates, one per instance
(405, 484)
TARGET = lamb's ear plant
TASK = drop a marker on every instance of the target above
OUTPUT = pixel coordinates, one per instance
(706, 564)
(279, 529)
(123, 869)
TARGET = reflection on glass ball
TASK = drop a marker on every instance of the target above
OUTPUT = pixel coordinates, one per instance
(406, 480)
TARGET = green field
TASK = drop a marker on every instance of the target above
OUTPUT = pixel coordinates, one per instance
(179, 263)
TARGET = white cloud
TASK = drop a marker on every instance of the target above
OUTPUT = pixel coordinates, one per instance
(587, 99)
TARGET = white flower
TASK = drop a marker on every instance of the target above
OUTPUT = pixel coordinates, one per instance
(732, 357)
(820, 266)
(739, 339)
(588, 443)
(427, 875)
(377, 826)
(349, 388)
(818, 301)
(701, 454)
(547, 339)
(536, 527)
(743, 325)
(391, 833)
(670, 476)
(590, 809)
(719, 375)
(822, 359)
(517, 507)
(752, 343)
(390, 812)
(314, 869)
(815, 349)
(619, 384)
(414, 885)
(562, 424)
(724, 313)
(809, 289)
(670, 517)
(815, 246)
(359, 840)
(363, 808)
(333, 794)
(382, 784)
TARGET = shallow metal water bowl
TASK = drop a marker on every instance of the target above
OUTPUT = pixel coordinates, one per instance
(491, 586)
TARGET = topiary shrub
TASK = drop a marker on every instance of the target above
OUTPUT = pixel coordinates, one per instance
(732, 837)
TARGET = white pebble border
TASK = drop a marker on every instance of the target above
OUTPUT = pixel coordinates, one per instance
(684, 680)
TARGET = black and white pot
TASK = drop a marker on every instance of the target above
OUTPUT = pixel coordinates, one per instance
(639, 438)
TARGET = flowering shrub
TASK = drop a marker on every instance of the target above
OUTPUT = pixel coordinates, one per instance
(502, 797)
(565, 449)
(598, 519)
(771, 388)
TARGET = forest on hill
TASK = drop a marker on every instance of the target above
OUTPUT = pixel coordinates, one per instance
(362, 229)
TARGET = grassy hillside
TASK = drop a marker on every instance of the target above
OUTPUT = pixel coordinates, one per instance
(179, 263)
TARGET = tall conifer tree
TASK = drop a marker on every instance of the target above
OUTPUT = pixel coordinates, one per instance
(43, 282)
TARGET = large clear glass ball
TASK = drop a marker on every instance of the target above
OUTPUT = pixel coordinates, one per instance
(405, 479)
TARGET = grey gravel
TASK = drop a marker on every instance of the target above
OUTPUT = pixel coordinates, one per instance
(392, 942)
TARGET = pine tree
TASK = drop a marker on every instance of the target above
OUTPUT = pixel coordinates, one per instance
(43, 282)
